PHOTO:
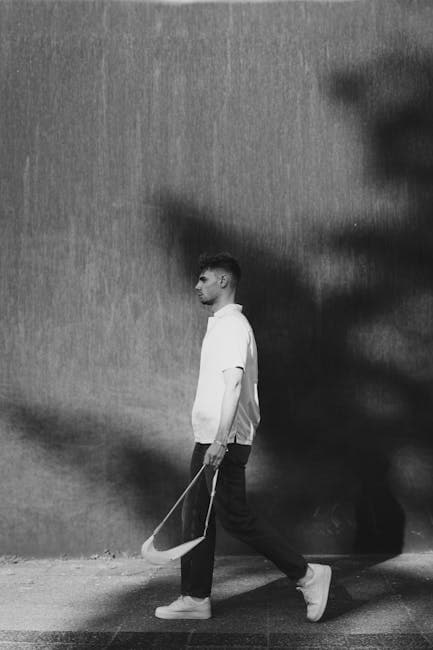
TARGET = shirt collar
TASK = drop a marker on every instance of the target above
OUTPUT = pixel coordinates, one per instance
(227, 309)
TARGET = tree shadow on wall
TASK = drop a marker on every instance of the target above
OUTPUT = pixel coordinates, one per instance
(345, 383)
(108, 455)
(392, 97)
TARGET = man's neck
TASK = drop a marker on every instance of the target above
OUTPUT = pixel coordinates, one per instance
(223, 302)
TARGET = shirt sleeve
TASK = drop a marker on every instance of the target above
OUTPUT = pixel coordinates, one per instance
(233, 346)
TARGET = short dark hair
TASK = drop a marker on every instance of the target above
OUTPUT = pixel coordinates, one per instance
(222, 260)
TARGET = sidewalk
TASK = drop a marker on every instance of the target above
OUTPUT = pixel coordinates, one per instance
(109, 603)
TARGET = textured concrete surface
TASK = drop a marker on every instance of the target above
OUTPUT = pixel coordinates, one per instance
(110, 603)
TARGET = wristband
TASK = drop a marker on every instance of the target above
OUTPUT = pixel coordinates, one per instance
(222, 444)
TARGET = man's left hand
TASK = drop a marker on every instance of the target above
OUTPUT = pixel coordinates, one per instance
(214, 455)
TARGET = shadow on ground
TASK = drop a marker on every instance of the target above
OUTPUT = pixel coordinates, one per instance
(378, 605)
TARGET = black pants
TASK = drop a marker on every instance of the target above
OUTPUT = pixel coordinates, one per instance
(233, 512)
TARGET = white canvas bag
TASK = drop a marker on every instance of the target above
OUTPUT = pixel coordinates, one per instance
(160, 558)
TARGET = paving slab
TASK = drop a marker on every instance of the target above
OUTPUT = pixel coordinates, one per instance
(109, 603)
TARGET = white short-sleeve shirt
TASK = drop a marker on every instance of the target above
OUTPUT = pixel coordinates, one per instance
(228, 343)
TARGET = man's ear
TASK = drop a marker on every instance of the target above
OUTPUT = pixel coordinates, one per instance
(224, 280)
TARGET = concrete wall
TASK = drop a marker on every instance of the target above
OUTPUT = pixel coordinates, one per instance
(133, 136)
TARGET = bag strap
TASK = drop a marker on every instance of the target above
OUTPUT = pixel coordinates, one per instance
(212, 495)
(188, 487)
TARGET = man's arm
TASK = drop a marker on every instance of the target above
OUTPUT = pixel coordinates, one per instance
(232, 391)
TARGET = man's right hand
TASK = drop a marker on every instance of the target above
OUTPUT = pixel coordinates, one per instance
(214, 455)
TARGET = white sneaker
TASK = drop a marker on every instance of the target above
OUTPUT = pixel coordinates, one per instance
(185, 607)
(316, 591)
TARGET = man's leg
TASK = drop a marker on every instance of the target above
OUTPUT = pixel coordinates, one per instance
(235, 515)
(197, 565)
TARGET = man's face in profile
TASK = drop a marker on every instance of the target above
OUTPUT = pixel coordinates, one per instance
(208, 287)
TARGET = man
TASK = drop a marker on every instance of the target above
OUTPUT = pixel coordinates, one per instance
(225, 417)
